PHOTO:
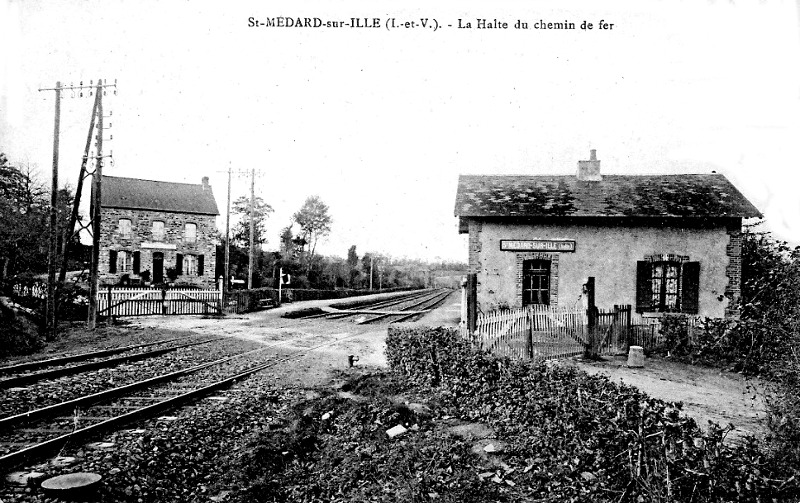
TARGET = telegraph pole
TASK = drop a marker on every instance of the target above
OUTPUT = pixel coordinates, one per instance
(52, 256)
(251, 211)
(70, 230)
(227, 238)
(252, 228)
(371, 267)
(96, 214)
(52, 304)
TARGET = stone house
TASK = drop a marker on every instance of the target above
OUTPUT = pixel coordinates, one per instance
(663, 243)
(151, 230)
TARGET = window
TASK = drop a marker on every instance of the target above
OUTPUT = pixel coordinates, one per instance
(667, 286)
(664, 286)
(190, 233)
(125, 228)
(190, 265)
(158, 231)
(125, 259)
(535, 282)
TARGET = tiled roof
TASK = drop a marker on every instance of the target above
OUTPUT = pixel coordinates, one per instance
(706, 195)
(133, 193)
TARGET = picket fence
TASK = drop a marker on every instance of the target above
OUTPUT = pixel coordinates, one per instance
(148, 301)
(549, 332)
(533, 332)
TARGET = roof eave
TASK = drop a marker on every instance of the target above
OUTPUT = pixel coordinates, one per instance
(117, 207)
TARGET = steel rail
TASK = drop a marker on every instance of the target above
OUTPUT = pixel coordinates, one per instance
(69, 405)
(381, 303)
(21, 367)
(392, 302)
(16, 458)
(85, 367)
(432, 306)
(432, 297)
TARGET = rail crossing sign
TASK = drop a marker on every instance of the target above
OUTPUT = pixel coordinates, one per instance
(547, 245)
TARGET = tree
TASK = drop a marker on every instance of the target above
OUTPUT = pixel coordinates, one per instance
(287, 241)
(314, 222)
(24, 224)
(241, 232)
(353, 271)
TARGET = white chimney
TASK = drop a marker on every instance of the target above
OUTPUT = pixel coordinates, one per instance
(205, 183)
(589, 171)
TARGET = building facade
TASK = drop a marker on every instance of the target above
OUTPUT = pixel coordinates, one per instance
(154, 232)
(663, 243)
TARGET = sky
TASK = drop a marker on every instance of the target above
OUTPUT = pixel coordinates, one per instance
(380, 122)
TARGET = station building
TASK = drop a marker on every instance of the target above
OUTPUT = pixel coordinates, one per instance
(662, 243)
(154, 232)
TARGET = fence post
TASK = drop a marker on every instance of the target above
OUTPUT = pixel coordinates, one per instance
(628, 327)
(108, 306)
(221, 298)
(472, 303)
(529, 317)
(591, 315)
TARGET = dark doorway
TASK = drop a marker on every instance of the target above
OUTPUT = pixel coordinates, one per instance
(535, 282)
(158, 267)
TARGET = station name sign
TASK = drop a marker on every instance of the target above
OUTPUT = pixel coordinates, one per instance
(550, 245)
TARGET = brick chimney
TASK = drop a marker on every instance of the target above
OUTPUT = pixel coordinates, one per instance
(205, 183)
(589, 171)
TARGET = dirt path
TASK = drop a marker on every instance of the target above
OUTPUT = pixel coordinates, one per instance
(707, 394)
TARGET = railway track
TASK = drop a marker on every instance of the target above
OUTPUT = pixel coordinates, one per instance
(37, 433)
(60, 367)
(371, 305)
(390, 310)
(49, 386)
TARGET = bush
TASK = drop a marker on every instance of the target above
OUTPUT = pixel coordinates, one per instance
(19, 329)
(583, 436)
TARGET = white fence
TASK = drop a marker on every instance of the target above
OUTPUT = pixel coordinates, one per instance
(533, 332)
(148, 301)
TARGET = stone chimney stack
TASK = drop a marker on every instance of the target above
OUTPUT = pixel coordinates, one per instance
(589, 171)
(205, 183)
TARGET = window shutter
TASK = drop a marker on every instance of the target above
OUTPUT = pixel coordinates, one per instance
(690, 283)
(136, 262)
(200, 264)
(179, 263)
(112, 261)
(644, 295)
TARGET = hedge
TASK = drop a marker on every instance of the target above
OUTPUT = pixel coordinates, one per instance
(585, 436)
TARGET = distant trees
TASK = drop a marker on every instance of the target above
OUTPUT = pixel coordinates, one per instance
(314, 222)
(24, 220)
(296, 255)
(241, 231)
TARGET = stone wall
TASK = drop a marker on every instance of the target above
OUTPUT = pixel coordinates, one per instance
(141, 239)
